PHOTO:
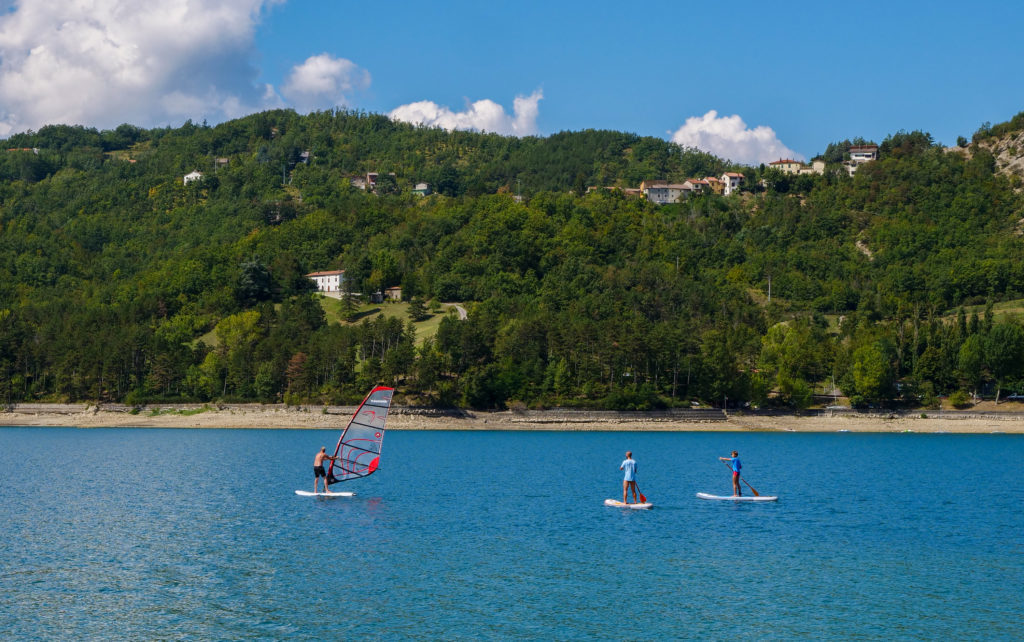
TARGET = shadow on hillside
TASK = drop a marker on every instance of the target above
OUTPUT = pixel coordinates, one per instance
(359, 316)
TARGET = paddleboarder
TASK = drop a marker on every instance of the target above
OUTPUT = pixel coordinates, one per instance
(629, 466)
(318, 468)
(736, 466)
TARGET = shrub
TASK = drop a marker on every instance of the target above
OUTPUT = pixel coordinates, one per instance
(960, 400)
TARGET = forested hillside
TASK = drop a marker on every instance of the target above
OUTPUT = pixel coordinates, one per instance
(112, 269)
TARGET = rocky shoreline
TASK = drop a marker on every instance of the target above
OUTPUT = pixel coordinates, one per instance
(411, 418)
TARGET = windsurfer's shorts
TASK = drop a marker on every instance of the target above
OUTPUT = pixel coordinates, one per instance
(319, 471)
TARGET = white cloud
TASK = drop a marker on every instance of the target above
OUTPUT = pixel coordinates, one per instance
(105, 62)
(323, 81)
(728, 137)
(483, 115)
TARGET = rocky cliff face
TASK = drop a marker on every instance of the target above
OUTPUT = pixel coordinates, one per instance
(1008, 151)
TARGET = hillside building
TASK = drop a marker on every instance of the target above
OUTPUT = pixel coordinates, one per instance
(731, 181)
(860, 154)
(328, 281)
(663, 192)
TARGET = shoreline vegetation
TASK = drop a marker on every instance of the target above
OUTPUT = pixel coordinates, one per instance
(256, 416)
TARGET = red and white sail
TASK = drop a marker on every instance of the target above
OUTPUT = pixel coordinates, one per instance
(358, 450)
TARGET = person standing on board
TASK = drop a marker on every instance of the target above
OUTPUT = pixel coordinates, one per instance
(734, 463)
(629, 465)
(318, 468)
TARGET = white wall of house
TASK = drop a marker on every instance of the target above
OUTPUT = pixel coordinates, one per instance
(328, 281)
(732, 182)
(664, 194)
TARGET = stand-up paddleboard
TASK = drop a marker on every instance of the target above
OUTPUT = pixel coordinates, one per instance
(358, 451)
(743, 498)
(617, 504)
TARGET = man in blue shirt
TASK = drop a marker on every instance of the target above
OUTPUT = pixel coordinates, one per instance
(630, 479)
(734, 463)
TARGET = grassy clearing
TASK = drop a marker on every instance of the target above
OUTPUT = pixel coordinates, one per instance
(1003, 311)
(334, 313)
(425, 329)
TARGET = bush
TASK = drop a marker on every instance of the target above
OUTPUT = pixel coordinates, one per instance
(960, 400)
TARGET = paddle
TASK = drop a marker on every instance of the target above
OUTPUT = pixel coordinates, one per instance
(752, 489)
(643, 498)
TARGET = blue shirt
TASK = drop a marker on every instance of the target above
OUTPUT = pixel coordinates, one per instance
(736, 465)
(630, 467)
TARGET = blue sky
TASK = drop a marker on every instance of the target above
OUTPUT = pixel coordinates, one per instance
(749, 81)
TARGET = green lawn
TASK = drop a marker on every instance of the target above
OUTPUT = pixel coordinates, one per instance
(333, 311)
(424, 329)
(1004, 311)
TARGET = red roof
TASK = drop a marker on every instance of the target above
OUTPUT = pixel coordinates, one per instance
(734, 174)
(784, 162)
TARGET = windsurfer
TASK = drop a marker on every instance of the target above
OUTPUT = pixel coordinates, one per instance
(736, 466)
(629, 481)
(318, 468)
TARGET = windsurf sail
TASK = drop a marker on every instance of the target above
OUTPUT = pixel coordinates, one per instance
(358, 449)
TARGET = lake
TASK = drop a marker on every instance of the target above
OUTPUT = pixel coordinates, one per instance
(153, 533)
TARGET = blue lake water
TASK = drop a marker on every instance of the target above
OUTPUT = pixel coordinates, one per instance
(151, 533)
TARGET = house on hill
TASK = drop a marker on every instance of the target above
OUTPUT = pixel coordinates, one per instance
(328, 280)
(860, 154)
(731, 181)
(787, 165)
(795, 167)
(697, 186)
(662, 192)
(715, 183)
(393, 293)
(192, 176)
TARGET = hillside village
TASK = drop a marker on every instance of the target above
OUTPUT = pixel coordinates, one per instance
(658, 191)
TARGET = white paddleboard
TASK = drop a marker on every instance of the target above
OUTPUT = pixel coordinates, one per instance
(306, 493)
(617, 504)
(744, 498)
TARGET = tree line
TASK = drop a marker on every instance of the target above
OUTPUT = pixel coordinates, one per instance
(120, 283)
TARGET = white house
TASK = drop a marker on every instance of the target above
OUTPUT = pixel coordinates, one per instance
(732, 182)
(662, 192)
(421, 189)
(863, 153)
(328, 281)
(194, 176)
(697, 186)
(860, 154)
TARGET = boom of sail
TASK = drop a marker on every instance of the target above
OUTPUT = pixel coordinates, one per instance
(358, 449)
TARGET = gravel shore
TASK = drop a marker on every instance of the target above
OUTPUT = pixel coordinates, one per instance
(334, 417)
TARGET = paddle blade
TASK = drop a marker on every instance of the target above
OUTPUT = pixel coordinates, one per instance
(643, 497)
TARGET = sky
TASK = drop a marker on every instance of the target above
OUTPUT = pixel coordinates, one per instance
(751, 82)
